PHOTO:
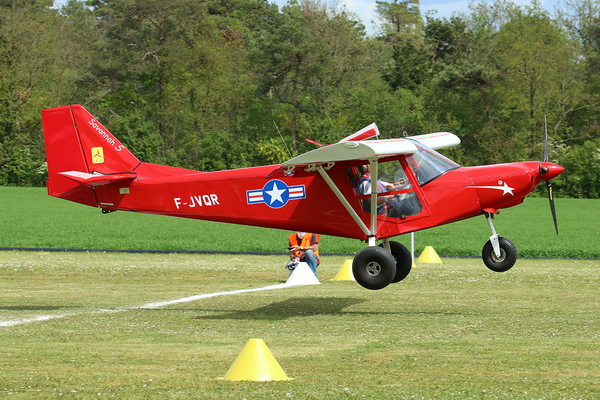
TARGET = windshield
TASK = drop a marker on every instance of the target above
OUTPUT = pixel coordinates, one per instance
(427, 164)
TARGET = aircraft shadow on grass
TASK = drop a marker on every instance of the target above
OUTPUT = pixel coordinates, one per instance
(307, 307)
(293, 307)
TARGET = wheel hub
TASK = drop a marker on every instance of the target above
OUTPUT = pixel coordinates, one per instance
(501, 258)
(373, 268)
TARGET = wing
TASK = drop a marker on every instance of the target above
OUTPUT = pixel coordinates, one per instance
(353, 147)
(361, 150)
(438, 140)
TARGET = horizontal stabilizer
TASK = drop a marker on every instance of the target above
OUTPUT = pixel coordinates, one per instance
(92, 180)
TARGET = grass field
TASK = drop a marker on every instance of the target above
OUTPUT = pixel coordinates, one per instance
(31, 218)
(82, 325)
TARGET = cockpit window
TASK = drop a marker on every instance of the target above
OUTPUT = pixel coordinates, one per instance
(393, 177)
(427, 164)
(395, 195)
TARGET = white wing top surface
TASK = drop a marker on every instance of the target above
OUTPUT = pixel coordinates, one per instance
(361, 150)
(439, 140)
(373, 149)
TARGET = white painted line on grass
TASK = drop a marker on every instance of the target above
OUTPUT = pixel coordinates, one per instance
(29, 320)
(209, 295)
(23, 321)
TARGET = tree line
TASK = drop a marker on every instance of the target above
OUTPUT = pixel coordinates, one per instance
(207, 84)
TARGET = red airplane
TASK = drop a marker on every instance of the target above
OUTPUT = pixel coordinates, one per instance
(327, 190)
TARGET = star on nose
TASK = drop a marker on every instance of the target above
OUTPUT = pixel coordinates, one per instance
(505, 188)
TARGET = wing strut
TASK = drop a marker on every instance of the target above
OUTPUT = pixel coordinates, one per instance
(374, 173)
(345, 203)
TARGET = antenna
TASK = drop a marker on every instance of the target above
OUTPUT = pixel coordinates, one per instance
(281, 136)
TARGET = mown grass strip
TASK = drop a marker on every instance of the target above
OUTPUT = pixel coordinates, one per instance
(31, 218)
(455, 330)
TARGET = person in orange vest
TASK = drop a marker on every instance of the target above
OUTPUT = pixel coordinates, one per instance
(304, 246)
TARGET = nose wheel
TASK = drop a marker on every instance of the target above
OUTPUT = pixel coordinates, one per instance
(506, 259)
(499, 254)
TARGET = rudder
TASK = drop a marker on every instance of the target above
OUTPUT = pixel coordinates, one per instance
(64, 153)
(102, 151)
(76, 142)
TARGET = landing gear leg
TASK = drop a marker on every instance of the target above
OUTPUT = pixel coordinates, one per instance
(499, 254)
(494, 238)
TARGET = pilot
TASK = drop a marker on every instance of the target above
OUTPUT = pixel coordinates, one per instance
(304, 246)
(364, 185)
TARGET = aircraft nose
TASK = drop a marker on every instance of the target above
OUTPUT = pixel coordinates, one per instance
(550, 171)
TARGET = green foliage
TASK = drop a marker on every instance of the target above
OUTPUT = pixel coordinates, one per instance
(581, 178)
(272, 151)
(139, 136)
(21, 168)
(198, 84)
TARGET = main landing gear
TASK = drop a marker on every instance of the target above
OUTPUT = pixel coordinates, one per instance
(499, 254)
(375, 267)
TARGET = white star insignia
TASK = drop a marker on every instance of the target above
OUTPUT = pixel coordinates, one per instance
(275, 193)
(505, 188)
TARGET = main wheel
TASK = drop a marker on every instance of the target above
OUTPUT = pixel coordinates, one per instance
(374, 268)
(508, 255)
(403, 260)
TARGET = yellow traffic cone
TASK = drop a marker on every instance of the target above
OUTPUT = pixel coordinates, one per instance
(345, 273)
(256, 363)
(429, 256)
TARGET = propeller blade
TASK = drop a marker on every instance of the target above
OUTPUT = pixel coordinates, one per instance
(549, 171)
(551, 198)
(546, 142)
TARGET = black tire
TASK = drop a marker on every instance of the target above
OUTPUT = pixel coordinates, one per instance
(403, 260)
(508, 255)
(374, 268)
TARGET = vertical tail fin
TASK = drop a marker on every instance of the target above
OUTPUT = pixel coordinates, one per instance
(76, 142)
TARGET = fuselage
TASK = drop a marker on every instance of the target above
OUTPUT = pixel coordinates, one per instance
(267, 196)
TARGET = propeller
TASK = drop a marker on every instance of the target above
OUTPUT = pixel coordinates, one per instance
(545, 170)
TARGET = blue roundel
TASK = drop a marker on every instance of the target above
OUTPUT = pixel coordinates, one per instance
(276, 193)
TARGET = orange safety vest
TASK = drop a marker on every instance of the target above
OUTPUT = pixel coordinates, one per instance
(306, 241)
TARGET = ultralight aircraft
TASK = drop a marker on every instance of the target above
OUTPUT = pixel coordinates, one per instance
(327, 190)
